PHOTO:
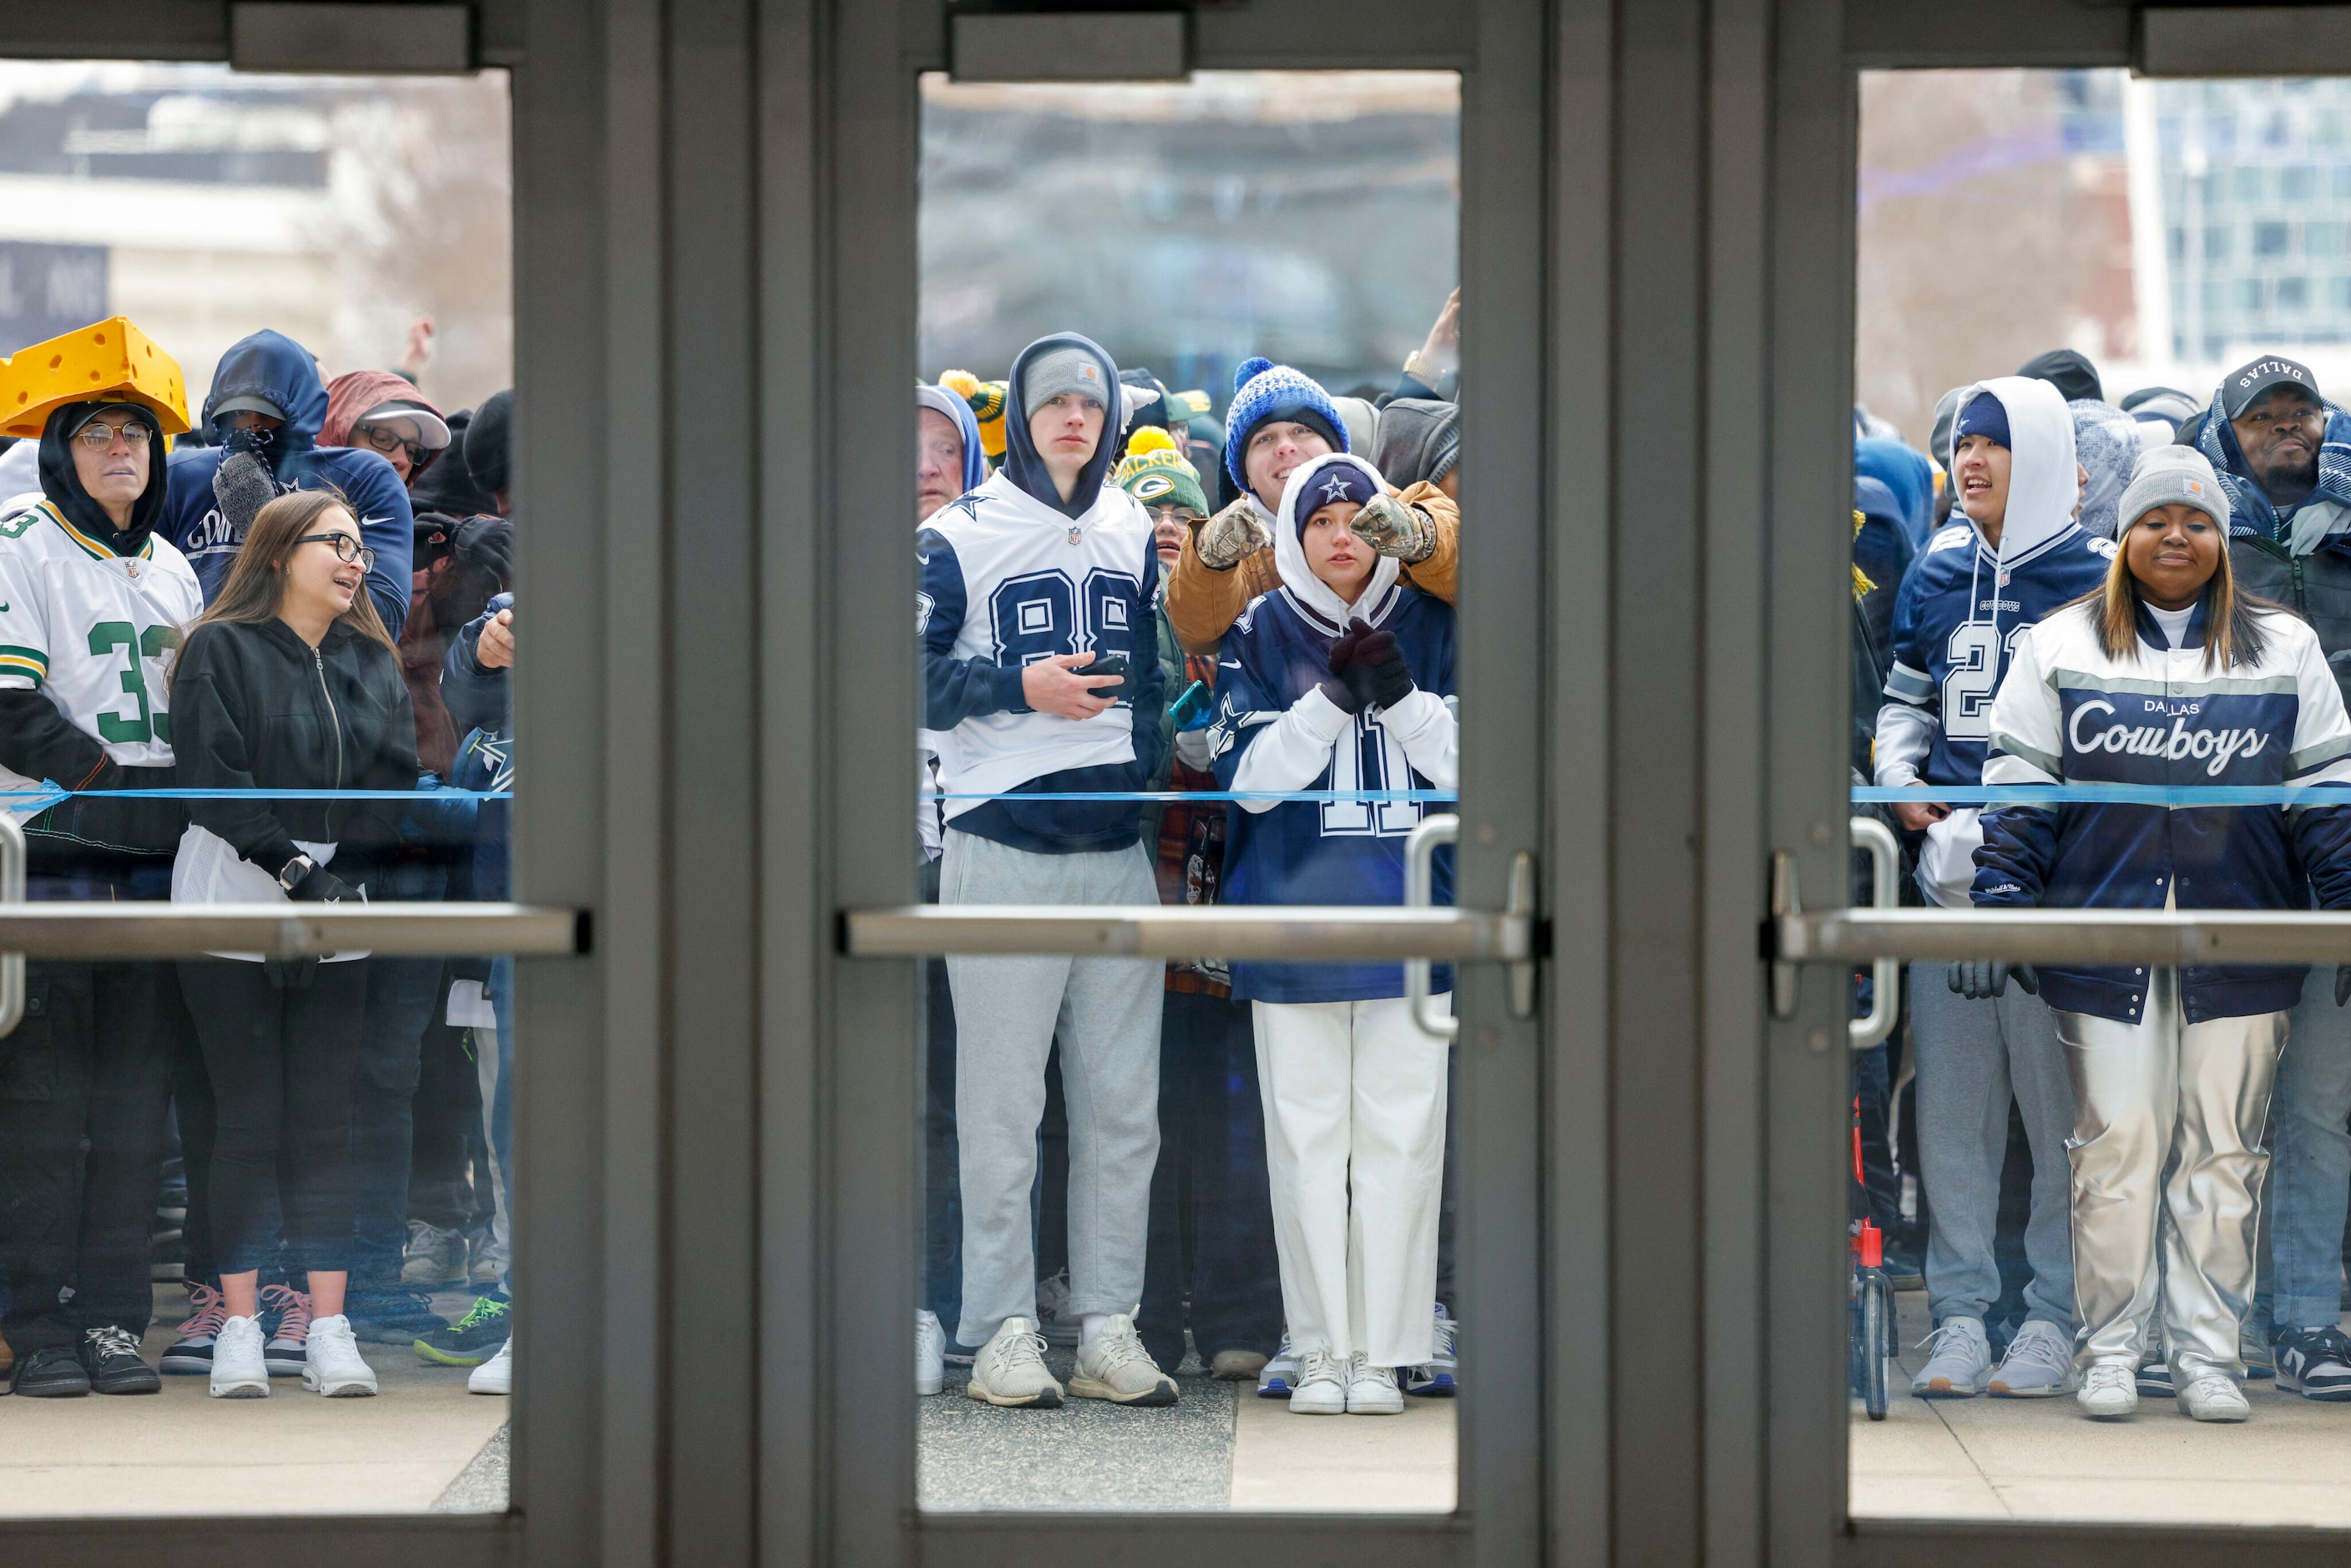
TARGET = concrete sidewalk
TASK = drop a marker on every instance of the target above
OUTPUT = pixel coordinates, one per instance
(2042, 1459)
(182, 1452)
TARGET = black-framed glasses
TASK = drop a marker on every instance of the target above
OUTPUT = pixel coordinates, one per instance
(97, 435)
(346, 548)
(384, 439)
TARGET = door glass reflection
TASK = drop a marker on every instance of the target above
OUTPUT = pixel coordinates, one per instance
(255, 630)
(1188, 510)
(2099, 648)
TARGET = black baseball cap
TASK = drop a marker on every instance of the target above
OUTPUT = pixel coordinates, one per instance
(2248, 382)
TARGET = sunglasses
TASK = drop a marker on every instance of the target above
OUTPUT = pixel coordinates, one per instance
(388, 441)
(346, 548)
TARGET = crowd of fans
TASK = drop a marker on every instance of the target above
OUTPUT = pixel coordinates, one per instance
(1255, 1167)
(2134, 602)
(258, 656)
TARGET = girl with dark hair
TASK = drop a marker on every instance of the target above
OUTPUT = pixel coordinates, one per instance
(289, 682)
(2167, 675)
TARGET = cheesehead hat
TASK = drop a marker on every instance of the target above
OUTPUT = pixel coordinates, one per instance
(107, 361)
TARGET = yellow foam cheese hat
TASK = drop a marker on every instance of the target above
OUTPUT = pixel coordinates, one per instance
(107, 361)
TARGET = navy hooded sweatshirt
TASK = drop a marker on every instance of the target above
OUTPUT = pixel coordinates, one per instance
(274, 367)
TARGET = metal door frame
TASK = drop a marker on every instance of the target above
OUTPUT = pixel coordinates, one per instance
(854, 1489)
(1816, 104)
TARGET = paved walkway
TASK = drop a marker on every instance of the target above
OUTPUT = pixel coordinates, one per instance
(182, 1452)
(2042, 1459)
(1219, 1447)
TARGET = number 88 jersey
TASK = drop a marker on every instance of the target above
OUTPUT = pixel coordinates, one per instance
(93, 631)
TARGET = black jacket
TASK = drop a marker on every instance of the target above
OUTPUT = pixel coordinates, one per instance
(253, 706)
(2316, 587)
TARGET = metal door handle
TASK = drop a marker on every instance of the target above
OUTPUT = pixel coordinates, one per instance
(12, 892)
(1419, 874)
(1884, 974)
(1298, 932)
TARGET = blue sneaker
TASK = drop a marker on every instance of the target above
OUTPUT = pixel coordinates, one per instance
(1435, 1378)
(1279, 1378)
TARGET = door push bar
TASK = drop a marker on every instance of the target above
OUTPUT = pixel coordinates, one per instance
(1883, 936)
(143, 929)
(1291, 932)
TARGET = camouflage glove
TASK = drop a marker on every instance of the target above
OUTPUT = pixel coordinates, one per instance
(1231, 534)
(1391, 528)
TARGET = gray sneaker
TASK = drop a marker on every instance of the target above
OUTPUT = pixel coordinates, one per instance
(1010, 1369)
(1959, 1361)
(2039, 1363)
(1113, 1365)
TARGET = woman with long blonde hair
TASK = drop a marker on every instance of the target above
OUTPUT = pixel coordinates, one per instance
(2167, 676)
(287, 682)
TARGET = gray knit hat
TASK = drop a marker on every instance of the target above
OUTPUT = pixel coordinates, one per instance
(1059, 371)
(2168, 475)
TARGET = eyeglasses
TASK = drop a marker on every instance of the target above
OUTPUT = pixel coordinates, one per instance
(388, 441)
(346, 548)
(97, 435)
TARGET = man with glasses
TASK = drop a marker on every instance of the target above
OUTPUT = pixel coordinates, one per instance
(267, 412)
(382, 412)
(93, 602)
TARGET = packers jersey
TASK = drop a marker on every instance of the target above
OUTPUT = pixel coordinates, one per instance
(94, 631)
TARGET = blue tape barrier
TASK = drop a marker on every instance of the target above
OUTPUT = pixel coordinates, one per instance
(2107, 794)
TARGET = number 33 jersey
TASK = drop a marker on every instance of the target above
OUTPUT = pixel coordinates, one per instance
(1008, 581)
(93, 631)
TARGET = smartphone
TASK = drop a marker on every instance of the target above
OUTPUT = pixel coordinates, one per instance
(1108, 664)
(1191, 710)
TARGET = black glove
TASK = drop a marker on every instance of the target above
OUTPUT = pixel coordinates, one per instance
(1342, 688)
(2342, 984)
(320, 886)
(1980, 979)
(1382, 664)
(485, 546)
(291, 974)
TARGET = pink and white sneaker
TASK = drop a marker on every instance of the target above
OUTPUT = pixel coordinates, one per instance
(191, 1354)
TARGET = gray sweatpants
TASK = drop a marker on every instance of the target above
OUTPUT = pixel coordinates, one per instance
(1008, 1010)
(1972, 1057)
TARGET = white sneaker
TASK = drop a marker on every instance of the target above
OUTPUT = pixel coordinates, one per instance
(238, 1371)
(331, 1364)
(1279, 1377)
(1959, 1361)
(2214, 1396)
(2109, 1390)
(2039, 1363)
(1321, 1383)
(1010, 1369)
(495, 1376)
(930, 1352)
(1113, 1365)
(1372, 1390)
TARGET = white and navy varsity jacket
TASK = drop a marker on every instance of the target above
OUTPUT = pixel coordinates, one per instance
(2068, 714)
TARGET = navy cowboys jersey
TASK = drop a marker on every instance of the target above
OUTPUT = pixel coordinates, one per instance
(1955, 623)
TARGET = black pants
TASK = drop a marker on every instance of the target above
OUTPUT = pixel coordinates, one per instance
(403, 1001)
(1211, 1262)
(280, 1066)
(448, 1176)
(83, 1084)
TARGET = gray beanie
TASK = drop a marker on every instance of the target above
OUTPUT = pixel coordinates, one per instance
(1059, 371)
(2168, 474)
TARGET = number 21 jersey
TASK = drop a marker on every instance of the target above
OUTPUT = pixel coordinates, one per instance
(94, 631)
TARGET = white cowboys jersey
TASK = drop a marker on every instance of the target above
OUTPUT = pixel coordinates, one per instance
(94, 630)
(1006, 581)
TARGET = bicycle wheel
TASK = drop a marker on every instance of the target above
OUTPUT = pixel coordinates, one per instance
(1876, 1332)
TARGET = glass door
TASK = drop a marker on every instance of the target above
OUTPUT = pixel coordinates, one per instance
(1164, 1155)
(2092, 1255)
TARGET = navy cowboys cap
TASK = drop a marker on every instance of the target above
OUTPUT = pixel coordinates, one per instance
(2248, 382)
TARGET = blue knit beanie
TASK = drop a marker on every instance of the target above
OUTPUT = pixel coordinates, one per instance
(1263, 391)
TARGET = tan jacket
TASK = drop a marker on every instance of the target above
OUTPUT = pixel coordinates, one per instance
(1203, 603)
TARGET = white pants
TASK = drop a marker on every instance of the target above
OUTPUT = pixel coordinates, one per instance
(2167, 1155)
(1354, 1143)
